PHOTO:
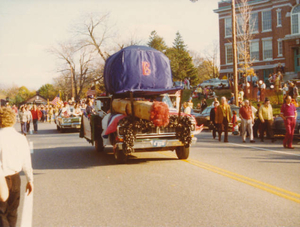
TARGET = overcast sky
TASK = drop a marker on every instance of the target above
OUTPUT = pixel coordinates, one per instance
(29, 27)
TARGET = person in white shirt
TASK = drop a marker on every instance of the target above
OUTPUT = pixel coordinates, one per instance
(23, 120)
(187, 108)
(14, 157)
(29, 118)
(66, 110)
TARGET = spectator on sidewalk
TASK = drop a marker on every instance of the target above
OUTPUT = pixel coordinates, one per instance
(266, 118)
(203, 104)
(213, 112)
(14, 157)
(246, 116)
(289, 115)
(223, 117)
(29, 118)
(50, 113)
(257, 123)
(234, 123)
(23, 120)
(36, 115)
(262, 90)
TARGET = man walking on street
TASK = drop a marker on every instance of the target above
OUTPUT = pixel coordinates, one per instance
(223, 117)
(14, 157)
(266, 118)
(289, 115)
(36, 115)
(246, 116)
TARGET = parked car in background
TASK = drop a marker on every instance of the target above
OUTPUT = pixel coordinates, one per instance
(65, 121)
(215, 83)
(204, 116)
(178, 84)
(279, 128)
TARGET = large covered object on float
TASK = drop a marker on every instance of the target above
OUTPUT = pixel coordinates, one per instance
(138, 69)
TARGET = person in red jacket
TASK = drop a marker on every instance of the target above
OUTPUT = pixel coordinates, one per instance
(36, 115)
(289, 115)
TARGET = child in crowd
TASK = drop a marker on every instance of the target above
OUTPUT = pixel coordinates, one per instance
(234, 123)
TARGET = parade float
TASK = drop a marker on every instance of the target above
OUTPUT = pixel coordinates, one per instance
(137, 114)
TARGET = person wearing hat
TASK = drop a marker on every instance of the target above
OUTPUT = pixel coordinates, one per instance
(14, 157)
(266, 117)
(289, 115)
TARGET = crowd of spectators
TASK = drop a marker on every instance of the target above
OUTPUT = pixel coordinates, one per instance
(32, 113)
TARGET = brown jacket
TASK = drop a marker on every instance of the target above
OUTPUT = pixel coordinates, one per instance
(219, 114)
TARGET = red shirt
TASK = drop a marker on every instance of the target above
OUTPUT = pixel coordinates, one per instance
(36, 114)
(288, 110)
(246, 112)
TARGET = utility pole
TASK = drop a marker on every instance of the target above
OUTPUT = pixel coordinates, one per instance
(235, 75)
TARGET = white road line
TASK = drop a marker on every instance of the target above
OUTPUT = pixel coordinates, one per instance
(26, 218)
(264, 149)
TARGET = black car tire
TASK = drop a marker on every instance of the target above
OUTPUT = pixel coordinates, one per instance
(99, 145)
(182, 152)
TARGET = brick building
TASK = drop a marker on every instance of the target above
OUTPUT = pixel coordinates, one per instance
(275, 41)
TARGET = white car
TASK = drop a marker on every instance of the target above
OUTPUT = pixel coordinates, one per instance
(216, 83)
(67, 121)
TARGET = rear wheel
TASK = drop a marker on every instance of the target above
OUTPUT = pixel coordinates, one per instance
(99, 145)
(182, 152)
(120, 156)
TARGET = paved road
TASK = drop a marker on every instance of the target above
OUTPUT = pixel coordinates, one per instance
(221, 184)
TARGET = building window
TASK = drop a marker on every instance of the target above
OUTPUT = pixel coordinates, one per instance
(253, 23)
(229, 54)
(267, 50)
(267, 21)
(254, 50)
(228, 27)
(295, 19)
(279, 18)
(279, 48)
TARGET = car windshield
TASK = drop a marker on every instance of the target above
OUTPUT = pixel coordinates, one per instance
(166, 99)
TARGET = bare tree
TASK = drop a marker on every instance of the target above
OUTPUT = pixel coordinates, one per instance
(205, 66)
(211, 56)
(72, 57)
(245, 28)
(95, 32)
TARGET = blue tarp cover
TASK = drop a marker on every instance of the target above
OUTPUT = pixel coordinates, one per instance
(139, 69)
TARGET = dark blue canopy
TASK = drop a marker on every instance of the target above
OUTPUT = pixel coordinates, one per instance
(138, 69)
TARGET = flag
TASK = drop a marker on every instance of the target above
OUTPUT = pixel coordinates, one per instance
(56, 100)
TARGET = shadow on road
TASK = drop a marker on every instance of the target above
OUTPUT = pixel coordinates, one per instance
(81, 158)
(277, 158)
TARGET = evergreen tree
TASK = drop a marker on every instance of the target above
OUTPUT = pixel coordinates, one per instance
(157, 42)
(181, 62)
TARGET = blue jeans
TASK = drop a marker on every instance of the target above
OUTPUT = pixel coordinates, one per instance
(24, 127)
(35, 124)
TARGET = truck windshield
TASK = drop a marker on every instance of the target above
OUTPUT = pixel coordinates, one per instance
(166, 99)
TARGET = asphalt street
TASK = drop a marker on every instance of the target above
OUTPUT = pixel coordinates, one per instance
(221, 184)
